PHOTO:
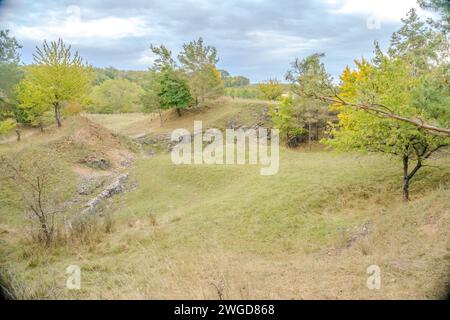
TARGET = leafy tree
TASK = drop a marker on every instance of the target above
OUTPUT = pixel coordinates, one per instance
(103, 74)
(206, 83)
(271, 89)
(199, 63)
(224, 74)
(34, 103)
(56, 76)
(361, 130)
(284, 118)
(440, 6)
(111, 72)
(9, 48)
(196, 55)
(6, 125)
(116, 95)
(418, 43)
(236, 81)
(379, 102)
(173, 91)
(245, 92)
(163, 58)
(11, 74)
(315, 115)
(150, 98)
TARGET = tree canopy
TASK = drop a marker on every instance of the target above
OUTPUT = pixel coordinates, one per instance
(199, 64)
(11, 74)
(409, 82)
(271, 89)
(116, 95)
(56, 76)
(173, 91)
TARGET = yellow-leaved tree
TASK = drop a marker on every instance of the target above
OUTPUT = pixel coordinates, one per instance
(56, 76)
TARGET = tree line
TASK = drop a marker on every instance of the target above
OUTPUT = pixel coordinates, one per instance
(59, 82)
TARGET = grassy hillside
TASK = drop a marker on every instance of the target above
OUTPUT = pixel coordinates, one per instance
(217, 114)
(226, 232)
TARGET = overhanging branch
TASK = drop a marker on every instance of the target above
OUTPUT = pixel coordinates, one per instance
(382, 110)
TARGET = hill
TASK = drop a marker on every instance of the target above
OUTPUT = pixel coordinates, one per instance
(225, 232)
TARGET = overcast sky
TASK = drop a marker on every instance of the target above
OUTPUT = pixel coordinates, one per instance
(255, 38)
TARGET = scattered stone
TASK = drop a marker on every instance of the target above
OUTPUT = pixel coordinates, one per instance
(96, 162)
(88, 186)
(127, 161)
(114, 188)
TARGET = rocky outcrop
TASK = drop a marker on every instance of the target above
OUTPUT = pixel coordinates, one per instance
(112, 189)
(96, 162)
(90, 208)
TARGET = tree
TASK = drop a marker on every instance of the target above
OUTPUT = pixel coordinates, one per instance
(56, 76)
(195, 56)
(11, 74)
(233, 81)
(34, 104)
(43, 185)
(173, 91)
(416, 42)
(271, 89)
(419, 43)
(150, 98)
(163, 58)
(300, 118)
(360, 130)
(206, 84)
(392, 105)
(284, 118)
(199, 63)
(440, 6)
(9, 48)
(116, 95)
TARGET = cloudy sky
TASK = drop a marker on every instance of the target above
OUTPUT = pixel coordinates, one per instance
(255, 38)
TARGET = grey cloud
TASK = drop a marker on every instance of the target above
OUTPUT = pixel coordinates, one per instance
(254, 38)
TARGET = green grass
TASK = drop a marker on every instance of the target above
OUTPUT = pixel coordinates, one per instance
(184, 227)
(308, 202)
(215, 114)
(184, 231)
(124, 123)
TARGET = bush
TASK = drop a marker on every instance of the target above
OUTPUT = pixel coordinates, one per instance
(42, 184)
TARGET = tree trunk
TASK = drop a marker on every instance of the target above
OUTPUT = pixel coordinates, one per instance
(18, 135)
(317, 131)
(160, 117)
(178, 112)
(58, 114)
(309, 135)
(405, 179)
